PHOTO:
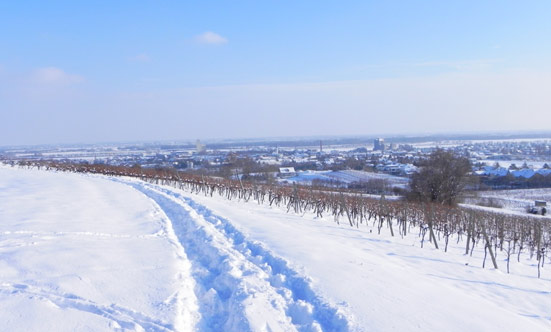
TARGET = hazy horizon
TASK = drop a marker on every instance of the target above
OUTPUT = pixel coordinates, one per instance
(126, 71)
(315, 139)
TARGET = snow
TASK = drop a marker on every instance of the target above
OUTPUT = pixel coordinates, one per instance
(517, 162)
(111, 254)
(346, 176)
(307, 177)
(86, 253)
(385, 283)
(499, 171)
(350, 176)
(513, 201)
(525, 173)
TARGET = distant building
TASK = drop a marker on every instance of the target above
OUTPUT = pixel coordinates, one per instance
(379, 144)
(200, 147)
(287, 172)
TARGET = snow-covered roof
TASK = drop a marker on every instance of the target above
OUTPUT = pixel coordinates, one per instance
(286, 170)
(544, 171)
(499, 171)
(524, 173)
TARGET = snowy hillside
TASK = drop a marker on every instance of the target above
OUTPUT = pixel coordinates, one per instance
(94, 253)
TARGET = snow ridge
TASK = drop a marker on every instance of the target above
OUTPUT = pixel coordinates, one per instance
(240, 285)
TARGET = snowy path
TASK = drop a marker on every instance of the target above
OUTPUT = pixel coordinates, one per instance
(385, 283)
(240, 285)
(93, 253)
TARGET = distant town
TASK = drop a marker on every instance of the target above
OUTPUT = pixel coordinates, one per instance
(373, 165)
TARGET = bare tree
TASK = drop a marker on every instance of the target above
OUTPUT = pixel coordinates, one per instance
(442, 178)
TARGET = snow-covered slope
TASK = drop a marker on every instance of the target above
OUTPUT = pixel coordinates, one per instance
(80, 253)
(91, 253)
(387, 283)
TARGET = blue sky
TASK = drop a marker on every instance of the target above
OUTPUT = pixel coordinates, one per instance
(74, 71)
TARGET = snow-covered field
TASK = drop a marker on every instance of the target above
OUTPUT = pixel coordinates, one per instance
(350, 176)
(82, 253)
(346, 177)
(517, 200)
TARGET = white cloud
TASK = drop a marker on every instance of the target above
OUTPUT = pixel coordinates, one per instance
(140, 58)
(210, 38)
(53, 75)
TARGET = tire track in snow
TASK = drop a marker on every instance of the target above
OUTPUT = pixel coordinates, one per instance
(231, 271)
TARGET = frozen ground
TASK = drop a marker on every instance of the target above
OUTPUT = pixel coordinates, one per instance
(86, 254)
(91, 253)
(346, 177)
(516, 200)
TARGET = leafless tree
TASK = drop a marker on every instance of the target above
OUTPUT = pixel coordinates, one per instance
(441, 179)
